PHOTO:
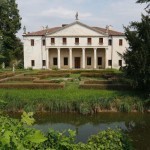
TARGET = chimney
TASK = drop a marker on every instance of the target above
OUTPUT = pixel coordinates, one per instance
(108, 27)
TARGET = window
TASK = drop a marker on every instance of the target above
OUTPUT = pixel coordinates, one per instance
(32, 63)
(109, 62)
(77, 41)
(55, 61)
(101, 41)
(44, 42)
(120, 62)
(120, 42)
(109, 42)
(89, 41)
(88, 61)
(32, 42)
(65, 61)
(99, 61)
(44, 62)
(52, 40)
(64, 40)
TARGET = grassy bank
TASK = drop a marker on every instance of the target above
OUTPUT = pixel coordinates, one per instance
(70, 99)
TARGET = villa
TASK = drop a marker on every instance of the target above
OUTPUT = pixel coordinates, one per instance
(74, 46)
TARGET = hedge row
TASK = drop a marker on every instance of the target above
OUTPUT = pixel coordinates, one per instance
(91, 74)
(46, 81)
(98, 82)
(43, 76)
(76, 71)
(32, 85)
(32, 79)
(105, 86)
(6, 75)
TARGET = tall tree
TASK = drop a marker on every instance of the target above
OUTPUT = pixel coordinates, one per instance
(9, 25)
(137, 56)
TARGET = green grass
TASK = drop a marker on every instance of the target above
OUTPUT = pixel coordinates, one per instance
(69, 99)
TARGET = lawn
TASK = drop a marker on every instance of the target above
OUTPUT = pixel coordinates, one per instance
(70, 99)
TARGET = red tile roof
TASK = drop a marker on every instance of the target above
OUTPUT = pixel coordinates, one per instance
(51, 30)
(110, 32)
(42, 32)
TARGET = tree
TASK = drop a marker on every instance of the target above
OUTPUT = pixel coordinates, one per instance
(137, 56)
(9, 25)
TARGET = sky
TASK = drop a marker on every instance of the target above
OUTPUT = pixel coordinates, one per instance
(37, 14)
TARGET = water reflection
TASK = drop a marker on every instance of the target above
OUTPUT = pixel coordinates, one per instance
(136, 125)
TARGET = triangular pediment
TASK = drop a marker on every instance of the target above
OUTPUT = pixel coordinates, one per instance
(77, 29)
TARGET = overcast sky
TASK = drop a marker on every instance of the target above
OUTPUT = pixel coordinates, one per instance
(38, 13)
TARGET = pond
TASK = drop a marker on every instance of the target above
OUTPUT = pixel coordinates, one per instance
(136, 125)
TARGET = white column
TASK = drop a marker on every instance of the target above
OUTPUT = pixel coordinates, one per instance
(106, 61)
(58, 57)
(95, 58)
(47, 58)
(70, 58)
(83, 58)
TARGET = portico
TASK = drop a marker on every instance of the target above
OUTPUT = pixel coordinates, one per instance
(74, 46)
(76, 58)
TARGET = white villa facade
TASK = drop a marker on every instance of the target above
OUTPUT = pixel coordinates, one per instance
(74, 46)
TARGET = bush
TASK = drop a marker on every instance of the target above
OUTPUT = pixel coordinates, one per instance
(110, 139)
(47, 81)
(32, 85)
(98, 82)
(5, 75)
(104, 86)
(15, 134)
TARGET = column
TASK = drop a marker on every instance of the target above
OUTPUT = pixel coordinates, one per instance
(95, 58)
(70, 58)
(47, 58)
(83, 58)
(58, 57)
(106, 61)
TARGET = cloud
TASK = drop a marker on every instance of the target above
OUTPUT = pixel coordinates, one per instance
(80, 1)
(63, 13)
(37, 13)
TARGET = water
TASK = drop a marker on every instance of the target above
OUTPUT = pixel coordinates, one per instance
(136, 125)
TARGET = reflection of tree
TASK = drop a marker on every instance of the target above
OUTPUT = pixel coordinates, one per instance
(137, 125)
(139, 131)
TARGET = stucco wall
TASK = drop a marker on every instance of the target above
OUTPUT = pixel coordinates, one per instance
(111, 52)
(36, 52)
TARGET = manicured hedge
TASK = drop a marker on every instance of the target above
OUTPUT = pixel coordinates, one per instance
(6, 75)
(98, 82)
(105, 86)
(46, 81)
(43, 76)
(76, 71)
(32, 85)
(91, 74)
(18, 79)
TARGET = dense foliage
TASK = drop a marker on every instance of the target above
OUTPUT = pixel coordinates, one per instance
(19, 135)
(10, 46)
(137, 56)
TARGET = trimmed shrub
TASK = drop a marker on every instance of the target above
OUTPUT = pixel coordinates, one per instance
(105, 86)
(32, 85)
(91, 74)
(47, 81)
(5, 75)
(17, 79)
(97, 82)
